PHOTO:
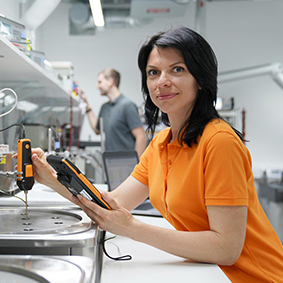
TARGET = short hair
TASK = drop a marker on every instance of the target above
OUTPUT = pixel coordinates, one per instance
(112, 73)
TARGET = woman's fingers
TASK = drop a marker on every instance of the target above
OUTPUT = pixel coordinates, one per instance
(107, 197)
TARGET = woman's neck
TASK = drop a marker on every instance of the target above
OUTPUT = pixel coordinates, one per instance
(175, 125)
(176, 121)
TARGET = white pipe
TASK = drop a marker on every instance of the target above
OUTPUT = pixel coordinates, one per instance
(38, 12)
(279, 79)
(275, 70)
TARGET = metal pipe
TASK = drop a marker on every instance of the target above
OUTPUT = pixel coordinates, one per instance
(275, 70)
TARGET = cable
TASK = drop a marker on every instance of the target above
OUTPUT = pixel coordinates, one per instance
(21, 125)
(24, 41)
(16, 97)
(6, 193)
(119, 258)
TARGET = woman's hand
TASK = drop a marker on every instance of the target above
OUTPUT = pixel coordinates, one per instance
(43, 172)
(117, 221)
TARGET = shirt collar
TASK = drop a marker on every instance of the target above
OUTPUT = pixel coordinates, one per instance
(117, 99)
(166, 139)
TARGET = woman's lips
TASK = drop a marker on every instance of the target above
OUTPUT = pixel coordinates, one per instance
(164, 96)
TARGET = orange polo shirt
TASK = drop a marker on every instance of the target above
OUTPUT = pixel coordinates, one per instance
(184, 180)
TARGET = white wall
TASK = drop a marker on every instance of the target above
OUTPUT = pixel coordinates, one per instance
(246, 34)
(242, 34)
(9, 9)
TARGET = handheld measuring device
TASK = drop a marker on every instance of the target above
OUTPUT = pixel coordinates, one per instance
(25, 178)
(69, 175)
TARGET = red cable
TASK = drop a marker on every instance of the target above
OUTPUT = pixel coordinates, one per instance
(71, 123)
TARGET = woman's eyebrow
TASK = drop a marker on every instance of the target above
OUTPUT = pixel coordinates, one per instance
(176, 63)
(173, 64)
(150, 66)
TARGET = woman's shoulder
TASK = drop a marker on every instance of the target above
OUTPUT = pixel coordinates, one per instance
(219, 129)
(218, 125)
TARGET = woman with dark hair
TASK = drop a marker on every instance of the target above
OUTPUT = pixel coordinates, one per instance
(197, 172)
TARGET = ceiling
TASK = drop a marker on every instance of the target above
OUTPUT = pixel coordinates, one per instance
(126, 13)
(122, 13)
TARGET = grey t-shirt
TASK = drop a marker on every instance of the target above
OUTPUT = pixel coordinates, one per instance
(119, 118)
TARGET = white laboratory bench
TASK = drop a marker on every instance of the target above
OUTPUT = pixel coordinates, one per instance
(151, 265)
(148, 264)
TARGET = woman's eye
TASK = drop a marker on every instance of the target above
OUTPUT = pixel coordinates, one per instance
(152, 72)
(178, 69)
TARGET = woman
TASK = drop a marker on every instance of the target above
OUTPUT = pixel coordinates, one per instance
(197, 172)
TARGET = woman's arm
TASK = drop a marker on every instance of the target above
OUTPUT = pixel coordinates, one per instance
(222, 244)
(45, 174)
(130, 193)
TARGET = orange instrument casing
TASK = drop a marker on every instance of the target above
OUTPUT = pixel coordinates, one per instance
(25, 177)
(75, 181)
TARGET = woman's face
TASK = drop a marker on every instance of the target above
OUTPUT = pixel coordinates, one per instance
(171, 86)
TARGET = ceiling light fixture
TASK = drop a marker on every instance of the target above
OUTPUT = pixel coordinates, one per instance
(96, 10)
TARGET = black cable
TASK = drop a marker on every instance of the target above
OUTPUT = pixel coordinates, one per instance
(119, 258)
(16, 124)
(27, 41)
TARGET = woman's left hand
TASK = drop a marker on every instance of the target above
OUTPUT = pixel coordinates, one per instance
(117, 221)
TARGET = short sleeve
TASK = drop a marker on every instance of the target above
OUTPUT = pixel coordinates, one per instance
(226, 169)
(141, 169)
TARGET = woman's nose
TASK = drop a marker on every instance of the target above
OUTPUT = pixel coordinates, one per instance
(163, 81)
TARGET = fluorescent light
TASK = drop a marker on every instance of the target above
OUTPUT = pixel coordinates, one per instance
(97, 13)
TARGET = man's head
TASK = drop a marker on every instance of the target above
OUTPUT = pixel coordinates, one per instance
(107, 80)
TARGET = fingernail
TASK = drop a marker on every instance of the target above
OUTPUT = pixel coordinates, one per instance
(104, 195)
(73, 198)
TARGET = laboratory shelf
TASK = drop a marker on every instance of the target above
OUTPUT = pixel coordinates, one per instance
(28, 79)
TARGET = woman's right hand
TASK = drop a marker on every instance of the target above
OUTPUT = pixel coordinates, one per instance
(43, 172)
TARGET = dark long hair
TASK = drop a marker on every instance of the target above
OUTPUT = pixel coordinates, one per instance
(202, 64)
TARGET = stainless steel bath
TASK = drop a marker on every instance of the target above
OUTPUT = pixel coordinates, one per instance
(48, 231)
(59, 269)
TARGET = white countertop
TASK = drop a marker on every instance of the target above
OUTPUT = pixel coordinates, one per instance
(151, 265)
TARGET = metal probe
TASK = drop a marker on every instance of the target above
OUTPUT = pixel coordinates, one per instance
(26, 200)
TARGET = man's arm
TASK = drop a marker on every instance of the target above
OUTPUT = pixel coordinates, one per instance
(90, 115)
(140, 140)
(92, 120)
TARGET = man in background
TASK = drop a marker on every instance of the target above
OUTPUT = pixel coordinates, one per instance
(121, 122)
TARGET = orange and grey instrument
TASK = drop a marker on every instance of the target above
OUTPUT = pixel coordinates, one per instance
(75, 181)
(25, 178)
